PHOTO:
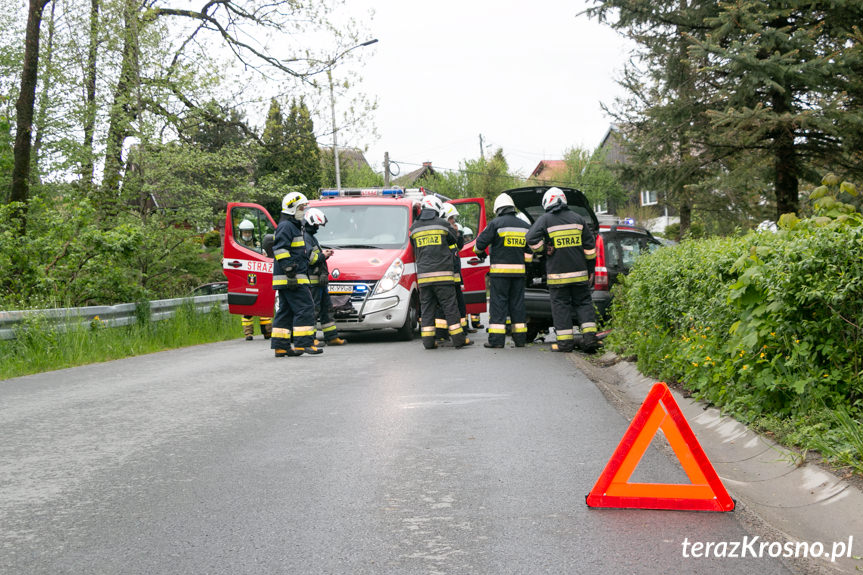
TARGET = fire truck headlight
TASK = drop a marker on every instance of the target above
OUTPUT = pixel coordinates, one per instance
(391, 278)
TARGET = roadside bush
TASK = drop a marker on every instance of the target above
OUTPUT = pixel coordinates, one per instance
(764, 325)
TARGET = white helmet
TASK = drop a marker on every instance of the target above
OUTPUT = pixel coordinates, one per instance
(449, 211)
(246, 225)
(315, 217)
(552, 198)
(502, 201)
(292, 201)
(467, 231)
(432, 203)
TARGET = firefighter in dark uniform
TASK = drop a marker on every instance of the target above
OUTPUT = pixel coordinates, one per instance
(319, 276)
(434, 242)
(570, 251)
(247, 240)
(505, 235)
(295, 312)
(450, 213)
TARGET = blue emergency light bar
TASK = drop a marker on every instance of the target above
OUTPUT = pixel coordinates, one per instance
(362, 192)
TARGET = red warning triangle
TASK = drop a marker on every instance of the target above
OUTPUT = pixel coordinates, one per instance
(660, 411)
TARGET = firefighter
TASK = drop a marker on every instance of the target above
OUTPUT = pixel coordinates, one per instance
(450, 213)
(434, 242)
(505, 236)
(319, 276)
(569, 246)
(247, 239)
(295, 313)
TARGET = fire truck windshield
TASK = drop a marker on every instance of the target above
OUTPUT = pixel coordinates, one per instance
(364, 226)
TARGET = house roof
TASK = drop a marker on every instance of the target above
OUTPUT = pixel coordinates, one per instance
(347, 156)
(548, 169)
(411, 178)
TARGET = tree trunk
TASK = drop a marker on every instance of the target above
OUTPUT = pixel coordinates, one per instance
(685, 214)
(24, 107)
(43, 99)
(123, 113)
(87, 170)
(785, 163)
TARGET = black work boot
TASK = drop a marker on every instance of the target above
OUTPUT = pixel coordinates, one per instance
(589, 343)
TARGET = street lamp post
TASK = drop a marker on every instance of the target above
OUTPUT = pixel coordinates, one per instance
(333, 109)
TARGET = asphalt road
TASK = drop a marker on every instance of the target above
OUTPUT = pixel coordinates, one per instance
(378, 457)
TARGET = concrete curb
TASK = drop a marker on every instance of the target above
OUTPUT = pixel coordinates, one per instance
(799, 500)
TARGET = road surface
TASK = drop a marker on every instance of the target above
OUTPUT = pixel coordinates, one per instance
(377, 457)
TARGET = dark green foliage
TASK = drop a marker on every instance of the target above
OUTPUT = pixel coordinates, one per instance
(731, 106)
(66, 258)
(303, 163)
(765, 325)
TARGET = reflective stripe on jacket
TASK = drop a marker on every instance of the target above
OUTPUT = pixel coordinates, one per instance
(289, 250)
(434, 244)
(505, 236)
(574, 255)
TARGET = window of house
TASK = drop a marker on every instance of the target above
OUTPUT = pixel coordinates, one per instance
(648, 198)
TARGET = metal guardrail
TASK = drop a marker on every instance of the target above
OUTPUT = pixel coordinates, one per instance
(111, 315)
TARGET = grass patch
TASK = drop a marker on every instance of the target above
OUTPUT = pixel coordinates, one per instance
(41, 346)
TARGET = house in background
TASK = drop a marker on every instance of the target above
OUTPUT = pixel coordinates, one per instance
(353, 157)
(615, 155)
(549, 171)
(414, 179)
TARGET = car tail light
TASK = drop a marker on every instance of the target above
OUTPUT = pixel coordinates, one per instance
(600, 277)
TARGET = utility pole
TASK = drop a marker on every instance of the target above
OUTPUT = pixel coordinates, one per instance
(335, 129)
(386, 169)
(481, 153)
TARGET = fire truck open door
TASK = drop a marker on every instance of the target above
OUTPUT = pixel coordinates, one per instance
(471, 217)
(248, 269)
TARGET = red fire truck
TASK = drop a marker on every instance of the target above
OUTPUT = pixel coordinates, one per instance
(372, 279)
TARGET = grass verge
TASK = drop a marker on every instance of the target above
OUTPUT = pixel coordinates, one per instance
(40, 346)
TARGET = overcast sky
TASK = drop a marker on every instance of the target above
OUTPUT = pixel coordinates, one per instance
(528, 76)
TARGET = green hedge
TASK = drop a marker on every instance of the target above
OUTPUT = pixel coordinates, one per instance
(765, 325)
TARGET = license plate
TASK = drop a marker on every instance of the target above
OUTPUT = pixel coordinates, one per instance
(341, 288)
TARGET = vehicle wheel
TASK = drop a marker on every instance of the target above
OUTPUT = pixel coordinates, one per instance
(409, 329)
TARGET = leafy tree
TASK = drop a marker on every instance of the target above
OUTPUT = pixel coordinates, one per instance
(213, 127)
(487, 178)
(587, 172)
(24, 108)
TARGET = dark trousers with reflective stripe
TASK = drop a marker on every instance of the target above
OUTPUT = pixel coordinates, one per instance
(295, 309)
(462, 310)
(433, 297)
(324, 311)
(506, 299)
(568, 301)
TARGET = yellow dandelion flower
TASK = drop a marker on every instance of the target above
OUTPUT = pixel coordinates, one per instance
(695, 363)
(745, 367)
(762, 354)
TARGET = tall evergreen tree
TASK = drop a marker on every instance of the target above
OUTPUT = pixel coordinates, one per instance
(273, 159)
(662, 119)
(783, 85)
(302, 153)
